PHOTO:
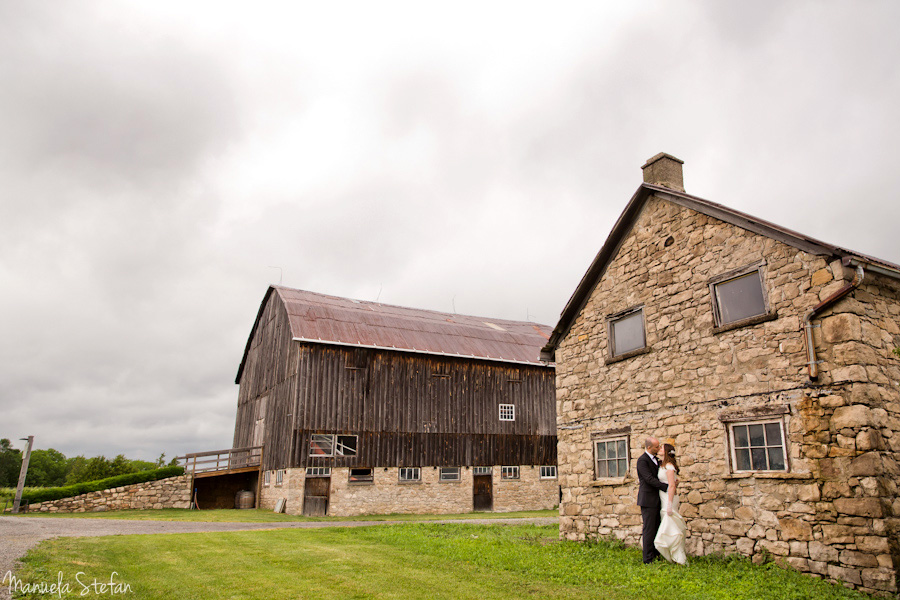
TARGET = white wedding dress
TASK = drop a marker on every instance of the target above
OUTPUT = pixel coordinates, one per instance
(670, 537)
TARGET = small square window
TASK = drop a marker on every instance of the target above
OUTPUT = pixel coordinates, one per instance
(758, 446)
(321, 445)
(481, 471)
(548, 472)
(279, 476)
(318, 471)
(626, 332)
(409, 474)
(346, 445)
(267, 477)
(611, 458)
(449, 474)
(361, 476)
(509, 472)
(739, 297)
(507, 412)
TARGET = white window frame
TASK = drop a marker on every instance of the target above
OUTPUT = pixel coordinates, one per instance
(481, 471)
(606, 441)
(318, 471)
(507, 412)
(279, 477)
(718, 321)
(548, 472)
(611, 321)
(321, 438)
(267, 478)
(409, 474)
(449, 474)
(733, 445)
(509, 472)
(338, 442)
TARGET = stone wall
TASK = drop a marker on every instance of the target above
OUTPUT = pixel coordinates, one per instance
(387, 495)
(172, 492)
(833, 512)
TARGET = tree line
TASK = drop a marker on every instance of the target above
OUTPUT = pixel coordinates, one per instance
(51, 468)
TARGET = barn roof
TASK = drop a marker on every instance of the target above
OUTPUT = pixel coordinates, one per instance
(318, 318)
(723, 213)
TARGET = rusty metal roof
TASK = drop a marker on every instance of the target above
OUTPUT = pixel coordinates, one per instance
(320, 318)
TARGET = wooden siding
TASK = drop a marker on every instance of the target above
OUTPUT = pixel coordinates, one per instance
(407, 409)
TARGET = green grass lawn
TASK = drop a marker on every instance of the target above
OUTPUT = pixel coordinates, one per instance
(267, 516)
(408, 561)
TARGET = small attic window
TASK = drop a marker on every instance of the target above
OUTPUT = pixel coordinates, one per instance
(626, 333)
(739, 298)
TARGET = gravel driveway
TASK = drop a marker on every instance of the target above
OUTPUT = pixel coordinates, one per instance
(20, 534)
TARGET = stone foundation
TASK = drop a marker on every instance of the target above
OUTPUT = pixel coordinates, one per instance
(387, 495)
(172, 492)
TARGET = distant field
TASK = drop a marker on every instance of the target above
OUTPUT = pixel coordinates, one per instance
(266, 516)
(407, 561)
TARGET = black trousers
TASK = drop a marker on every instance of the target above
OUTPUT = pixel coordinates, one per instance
(651, 517)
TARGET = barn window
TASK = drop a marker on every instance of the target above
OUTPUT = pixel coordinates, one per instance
(611, 458)
(480, 471)
(758, 446)
(361, 476)
(318, 471)
(321, 445)
(346, 445)
(739, 297)
(509, 472)
(507, 412)
(626, 333)
(548, 472)
(449, 474)
(267, 477)
(410, 474)
(279, 476)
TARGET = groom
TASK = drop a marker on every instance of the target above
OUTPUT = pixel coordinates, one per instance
(648, 496)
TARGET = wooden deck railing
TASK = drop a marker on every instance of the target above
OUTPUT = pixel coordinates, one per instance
(221, 460)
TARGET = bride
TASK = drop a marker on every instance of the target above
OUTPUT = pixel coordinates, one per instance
(670, 537)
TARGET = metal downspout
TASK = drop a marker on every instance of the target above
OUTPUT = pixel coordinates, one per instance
(812, 363)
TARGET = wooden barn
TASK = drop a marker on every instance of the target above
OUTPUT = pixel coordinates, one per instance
(365, 408)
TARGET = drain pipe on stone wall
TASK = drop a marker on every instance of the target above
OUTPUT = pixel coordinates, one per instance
(813, 364)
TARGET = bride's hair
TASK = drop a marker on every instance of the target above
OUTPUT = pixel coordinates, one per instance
(669, 457)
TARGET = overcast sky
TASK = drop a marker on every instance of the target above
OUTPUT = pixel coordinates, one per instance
(159, 159)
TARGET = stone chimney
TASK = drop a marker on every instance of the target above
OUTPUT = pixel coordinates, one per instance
(664, 169)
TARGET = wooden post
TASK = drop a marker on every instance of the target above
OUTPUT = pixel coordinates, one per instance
(22, 473)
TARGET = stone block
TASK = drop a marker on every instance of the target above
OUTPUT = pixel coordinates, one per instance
(855, 416)
(857, 559)
(845, 574)
(864, 507)
(795, 529)
(808, 493)
(841, 328)
(882, 579)
(745, 546)
(776, 548)
(839, 534)
(867, 465)
(872, 544)
(870, 439)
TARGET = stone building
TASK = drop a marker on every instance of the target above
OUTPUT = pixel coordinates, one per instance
(366, 408)
(768, 358)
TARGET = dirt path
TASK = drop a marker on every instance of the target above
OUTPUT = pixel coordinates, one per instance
(20, 534)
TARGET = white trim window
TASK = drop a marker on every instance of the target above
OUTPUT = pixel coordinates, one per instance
(267, 478)
(329, 444)
(318, 471)
(279, 477)
(410, 474)
(548, 472)
(481, 471)
(758, 446)
(507, 412)
(610, 458)
(449, 474)
(511, 472)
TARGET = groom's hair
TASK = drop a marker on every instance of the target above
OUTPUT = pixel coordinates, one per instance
(650, 442)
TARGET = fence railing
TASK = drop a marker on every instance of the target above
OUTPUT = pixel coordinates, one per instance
(221, 460)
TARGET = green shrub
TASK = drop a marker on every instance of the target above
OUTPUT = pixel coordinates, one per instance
(45, 494)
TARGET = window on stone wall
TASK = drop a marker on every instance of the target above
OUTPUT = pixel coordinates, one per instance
(626, 333)
(481, 471)
(267, 477)
(279, 476)
(361, 476)
(507, 412)
(758, 446)
(449, 474)
(509, 472)
(410, 474)
(318, 471)
(611, 458)
(739, 297)
(548, 472)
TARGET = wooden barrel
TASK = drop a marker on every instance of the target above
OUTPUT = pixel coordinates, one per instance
(244, 499)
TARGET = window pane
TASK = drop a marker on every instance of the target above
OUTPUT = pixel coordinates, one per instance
(621, 467)
(601, 469)
(740, 298)
(346, 445)
(743, 459)
(740, 437)
(759, 458)
(773, 434)
(628, 333)
(757, 437)
(621, 449)
(776, 459)
(601, 450)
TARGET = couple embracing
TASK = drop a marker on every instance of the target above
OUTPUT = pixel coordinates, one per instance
(663, 532)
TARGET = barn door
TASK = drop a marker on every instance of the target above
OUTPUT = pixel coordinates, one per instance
(483, 498)
(315, 496)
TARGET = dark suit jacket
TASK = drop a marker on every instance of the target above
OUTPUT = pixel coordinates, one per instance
(649, 484)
